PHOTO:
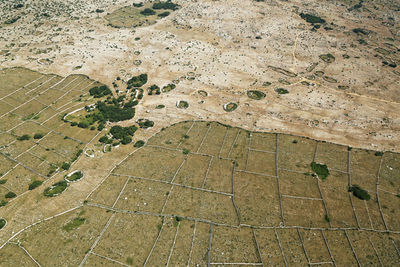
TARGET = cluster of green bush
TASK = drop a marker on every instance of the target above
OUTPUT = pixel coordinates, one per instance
(145, 123)
(139, 143)
(114, 113)
(163, 14)
(311, 18)
(137, 81)
(147, 12)
(12, 20)
(34, 184)
(23, 137)
(165, 5)
(154, 89)
(122, 134)
(100, 91)
(359, 192)
(320, 169)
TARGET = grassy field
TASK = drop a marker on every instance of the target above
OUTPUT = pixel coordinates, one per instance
(201, 193)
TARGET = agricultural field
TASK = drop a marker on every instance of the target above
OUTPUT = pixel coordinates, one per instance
(35, 143)
(199, 133)
(203, 193)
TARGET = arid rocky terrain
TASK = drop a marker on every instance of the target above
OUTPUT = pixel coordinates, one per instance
(324, 70)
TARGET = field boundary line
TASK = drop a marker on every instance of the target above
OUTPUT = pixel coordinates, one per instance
(352, 248)
(191, 246)
(257, 246)
(154, 244)
(97, 239)
(280, 247)
(173, 244)
(327, 246)
(109, 259)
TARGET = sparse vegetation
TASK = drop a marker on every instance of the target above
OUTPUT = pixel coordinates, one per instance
(74, 224)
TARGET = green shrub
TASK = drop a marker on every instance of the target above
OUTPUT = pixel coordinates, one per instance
(78, 153)
(103, 139)
(165, 5)
(185, 151)
(138, 81)
(378, 153)
(34, 184)
(147, 12)
(144, 123)
(119, 132)
(320, 169)
(139, 143)
(99, 10)
(126, 140)
(114, 113)
(255, 94)
(163, 14)
(55, 189)
(281, 91)
(65, 166)
(12, 20)
(10, 195)
(311, 18)
(83, 125)
(160, 106)
(3, 203)
(23, 137)
(101, 91)
(359, 192)
(154, 89)
(3, 181)
(2, 223)
(327, 219)
(138, 4)
(38, 136)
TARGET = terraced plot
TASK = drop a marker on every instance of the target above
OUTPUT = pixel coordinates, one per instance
(242, 198)
(34, 141)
